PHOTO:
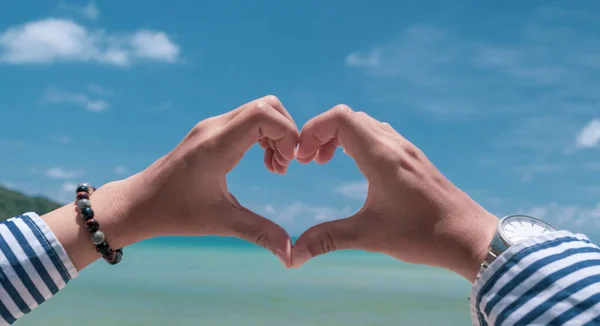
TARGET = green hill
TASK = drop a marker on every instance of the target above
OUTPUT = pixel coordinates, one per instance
(13, 203)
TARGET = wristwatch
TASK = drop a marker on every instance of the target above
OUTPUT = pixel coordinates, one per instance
(511, 230)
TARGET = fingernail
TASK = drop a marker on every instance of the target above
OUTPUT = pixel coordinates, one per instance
(282, 258)
(300, 258)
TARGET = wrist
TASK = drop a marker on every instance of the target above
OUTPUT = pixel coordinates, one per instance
(480, 234)
(117, 205)
(467, 241)
(113, 205)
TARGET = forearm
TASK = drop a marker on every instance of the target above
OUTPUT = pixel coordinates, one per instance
(544, 280)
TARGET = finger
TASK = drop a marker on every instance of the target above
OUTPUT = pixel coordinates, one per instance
(326, 152)
(354, 131)
(269, 159)
(274, 102)
(259, 121)
(323, 238)
(305, 160)
(278, 167)
(278, 162)
(280, 159)
(247, 225)
(264, 143)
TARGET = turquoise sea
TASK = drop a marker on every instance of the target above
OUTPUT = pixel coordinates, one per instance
(225, 281)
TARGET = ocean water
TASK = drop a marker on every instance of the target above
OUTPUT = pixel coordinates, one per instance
(225, 281)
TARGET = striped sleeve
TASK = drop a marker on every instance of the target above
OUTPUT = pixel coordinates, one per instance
(548, 280)
(33, 266)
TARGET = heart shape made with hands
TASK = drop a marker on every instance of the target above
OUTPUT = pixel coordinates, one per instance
(412, 212)
(317, 141)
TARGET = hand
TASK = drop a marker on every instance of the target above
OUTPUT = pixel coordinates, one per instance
(412, 212)
(187, 188)
(185, 192)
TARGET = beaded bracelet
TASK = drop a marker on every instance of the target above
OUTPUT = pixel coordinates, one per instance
(84, 209)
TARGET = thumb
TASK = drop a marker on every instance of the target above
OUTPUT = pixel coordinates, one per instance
(247, 225)
(323, 238)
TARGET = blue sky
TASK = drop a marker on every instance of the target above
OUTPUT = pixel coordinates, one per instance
(503, 98)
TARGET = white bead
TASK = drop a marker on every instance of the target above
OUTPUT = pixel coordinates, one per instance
(83, 203)
(98, 237)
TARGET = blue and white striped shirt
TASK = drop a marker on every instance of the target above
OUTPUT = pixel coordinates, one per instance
(33, 266)
(549, 280)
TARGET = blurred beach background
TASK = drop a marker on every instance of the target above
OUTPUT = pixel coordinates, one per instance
(225, 281)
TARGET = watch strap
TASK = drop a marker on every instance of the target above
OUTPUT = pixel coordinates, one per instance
(496, 248)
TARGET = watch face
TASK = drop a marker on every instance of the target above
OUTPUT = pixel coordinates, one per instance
(517, 228)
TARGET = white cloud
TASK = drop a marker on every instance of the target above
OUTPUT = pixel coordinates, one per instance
(60, 139)
(411, 57)
(120, 169)
(59, 96)
(570, 217)
(527, 172)
(354, 190)
(300, 212)
(95, 89)
(589, 136)
(69, 186)
(369, 59)
(538, 68)
(89, 11)
(61, 193)
(58, 173)
(540, 134)
(59, 40)
(65, 194)
(154, 45)
(269, 209)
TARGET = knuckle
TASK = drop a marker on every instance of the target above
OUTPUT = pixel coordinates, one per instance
(321, 243)
(259, 111)
(362, 114)
(259, 237)
(200, 127)
(264, 234)
(413, 151)
(204, 128)
(272, 100)
(341, 111)
(209, 145)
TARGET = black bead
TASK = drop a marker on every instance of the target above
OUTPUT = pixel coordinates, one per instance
(92, 226)
(103, 248)
(87, 213)
(83, 188)
(118, 257)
